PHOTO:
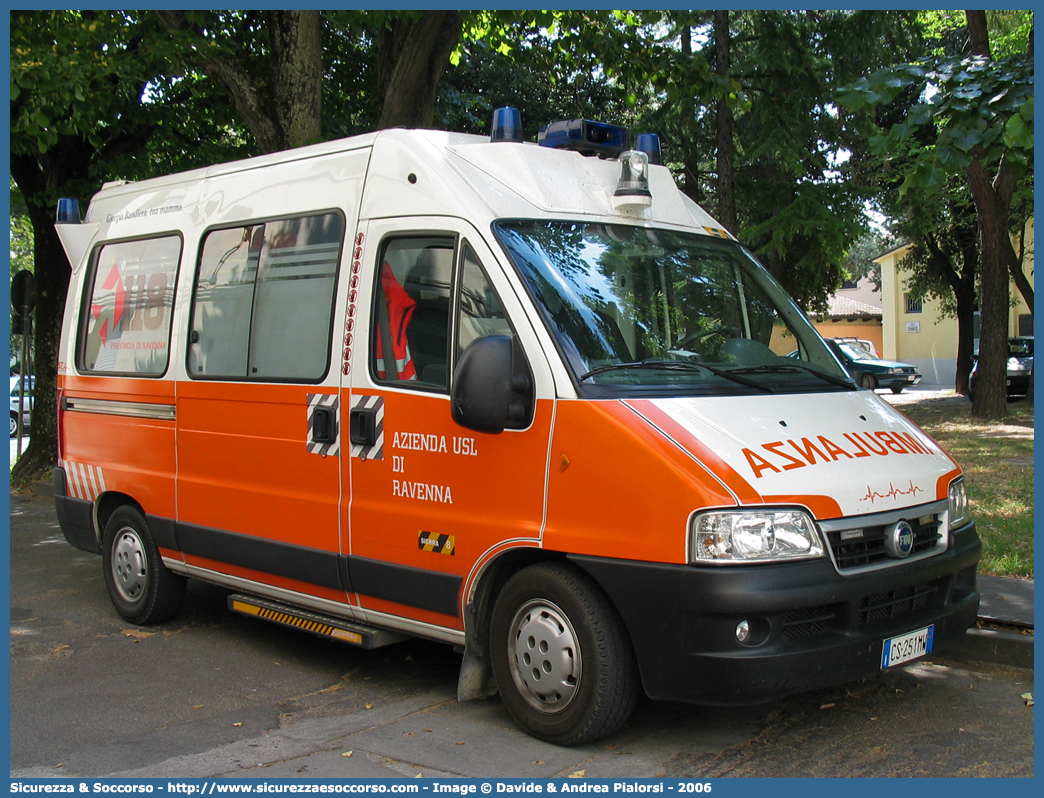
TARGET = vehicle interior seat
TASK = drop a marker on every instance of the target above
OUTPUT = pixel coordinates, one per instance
(429, 284)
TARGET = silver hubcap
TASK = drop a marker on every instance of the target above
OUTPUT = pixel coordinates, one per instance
(544, 656)
(129, 565)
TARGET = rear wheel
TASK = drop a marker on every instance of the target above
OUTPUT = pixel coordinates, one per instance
(14, 424)
(897, 389)
(561, 657)
(140, 586)
(868, 381)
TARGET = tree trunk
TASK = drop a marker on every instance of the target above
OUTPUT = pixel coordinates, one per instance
(1018, 276)
(965, 300)
(978, 33)
(282, 108)
(992, 204)
(52, 284)
(992, 208)
(297, 75)
(412, 59)
(725, 140)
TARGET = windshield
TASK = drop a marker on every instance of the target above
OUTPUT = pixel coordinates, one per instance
(1020, 347)
(638, 311)
(857, 351)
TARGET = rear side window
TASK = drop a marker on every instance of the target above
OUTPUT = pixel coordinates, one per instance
(264, 300)
(125, 322)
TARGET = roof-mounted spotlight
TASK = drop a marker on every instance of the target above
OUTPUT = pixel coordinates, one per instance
(632, 192)
(507, 125)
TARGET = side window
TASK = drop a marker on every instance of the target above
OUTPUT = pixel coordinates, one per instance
(481, 314)
(422, 310)
(264, 300)
(125, 321)
(410, 340)
(480, 311)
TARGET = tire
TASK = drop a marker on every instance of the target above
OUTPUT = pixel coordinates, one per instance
(868, 381)
(140, 586)
(14, 425)
(897, 389)
(582, 683)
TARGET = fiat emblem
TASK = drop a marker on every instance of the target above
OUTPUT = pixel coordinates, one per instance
(900, 540)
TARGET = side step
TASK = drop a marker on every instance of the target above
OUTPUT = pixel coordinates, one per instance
(346, 631)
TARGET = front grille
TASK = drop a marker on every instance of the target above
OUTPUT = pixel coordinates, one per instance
(869, 547)
(895, 603)
(807, 622)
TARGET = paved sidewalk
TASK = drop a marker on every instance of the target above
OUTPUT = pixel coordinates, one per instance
(1005, 630)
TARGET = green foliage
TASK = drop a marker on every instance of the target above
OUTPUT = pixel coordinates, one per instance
(943, 228)
(975, 107)
(21, 243)
(801, 164)
(486, 78)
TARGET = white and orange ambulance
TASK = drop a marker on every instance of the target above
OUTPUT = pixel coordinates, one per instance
(526, 399)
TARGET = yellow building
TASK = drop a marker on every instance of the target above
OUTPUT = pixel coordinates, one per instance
(917, 333)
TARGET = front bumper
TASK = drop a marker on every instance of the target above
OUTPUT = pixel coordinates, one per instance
(1018, 383)
(896, 380)
(811, 626)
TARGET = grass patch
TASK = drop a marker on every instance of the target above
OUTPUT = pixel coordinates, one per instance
(997, 458)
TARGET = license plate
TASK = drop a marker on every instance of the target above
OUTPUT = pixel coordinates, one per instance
(904, 648)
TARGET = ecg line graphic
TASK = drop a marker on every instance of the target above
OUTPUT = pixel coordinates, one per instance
(872, 495)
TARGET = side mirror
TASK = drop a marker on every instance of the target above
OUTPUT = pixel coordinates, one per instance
(486, 395)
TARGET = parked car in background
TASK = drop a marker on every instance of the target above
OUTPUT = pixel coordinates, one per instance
(1020, 367)
(27, 404)
(871, 372)
(860, 342)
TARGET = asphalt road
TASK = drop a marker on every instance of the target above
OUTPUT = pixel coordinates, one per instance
(212, 693)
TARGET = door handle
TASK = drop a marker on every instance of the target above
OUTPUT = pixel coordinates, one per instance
(362, 426)
(324, 425)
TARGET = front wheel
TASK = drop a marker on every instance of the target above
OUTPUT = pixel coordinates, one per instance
(561, 658)
(139, 584)
(897, 389)
(14, 425)
(867, 381)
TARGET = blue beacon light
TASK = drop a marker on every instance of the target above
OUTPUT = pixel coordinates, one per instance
(68, 211)
(507, 125)
(649, 143)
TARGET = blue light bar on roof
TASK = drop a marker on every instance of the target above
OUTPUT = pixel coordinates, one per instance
(584, 136)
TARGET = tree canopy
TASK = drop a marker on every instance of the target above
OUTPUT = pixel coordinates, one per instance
(746, 102)
(971, 116)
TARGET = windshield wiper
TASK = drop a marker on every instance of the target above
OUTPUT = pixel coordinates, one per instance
(677, 365)
(782, 369)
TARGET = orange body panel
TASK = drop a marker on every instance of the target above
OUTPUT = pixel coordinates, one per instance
(440, 479)
(618, 488)
(942, 486)
(135, 456)
(722, 470)
(243, 464)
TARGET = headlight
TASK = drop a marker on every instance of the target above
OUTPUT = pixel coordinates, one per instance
(959, 512)
(744, 536)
